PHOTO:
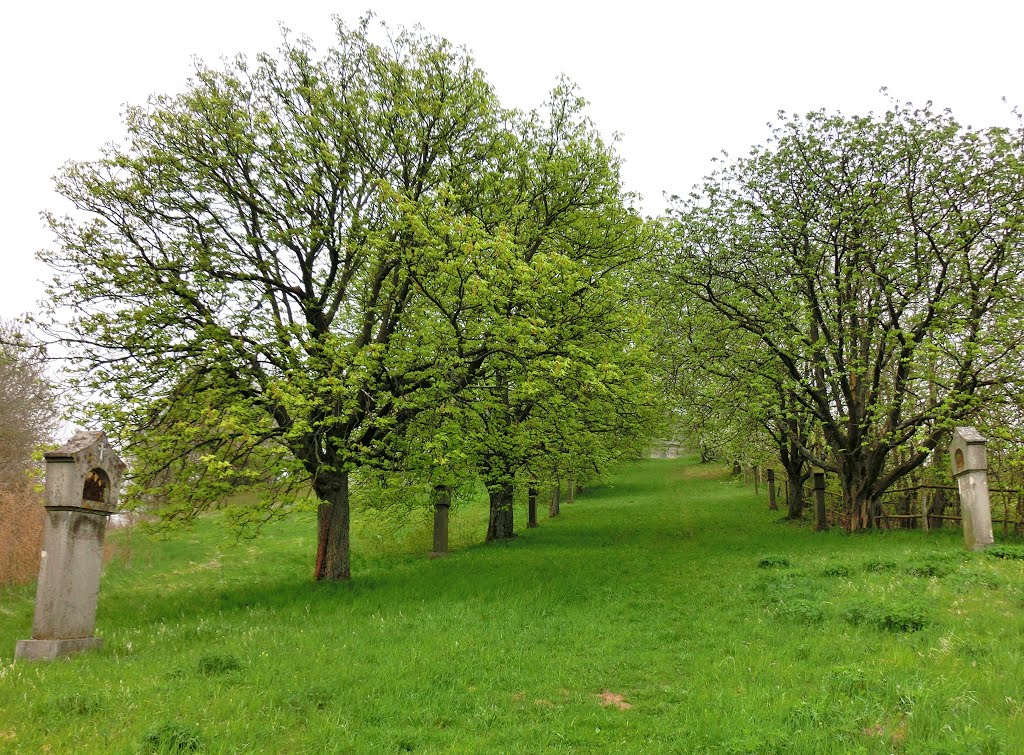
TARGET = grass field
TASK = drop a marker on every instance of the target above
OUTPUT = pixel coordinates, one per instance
(668, 611)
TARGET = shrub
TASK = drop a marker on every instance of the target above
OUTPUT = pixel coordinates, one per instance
(929, 569)
(168, 737)
(773, 562)
(214, 663)
(802, 611)
(1005, 551)
(902, 619)
(856, 613)
(836, 570)
(21, 530)
(906, 618)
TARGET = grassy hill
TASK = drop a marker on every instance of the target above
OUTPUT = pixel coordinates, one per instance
(669, 611)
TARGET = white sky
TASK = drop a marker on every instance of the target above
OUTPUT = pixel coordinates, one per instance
(680, 81)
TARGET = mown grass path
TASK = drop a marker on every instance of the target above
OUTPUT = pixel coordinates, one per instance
(668, 611)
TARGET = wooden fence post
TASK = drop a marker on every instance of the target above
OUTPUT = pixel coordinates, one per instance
(772, 505)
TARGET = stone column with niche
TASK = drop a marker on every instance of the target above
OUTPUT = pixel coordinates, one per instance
(970, 469)
(83, 478)
(442, 503)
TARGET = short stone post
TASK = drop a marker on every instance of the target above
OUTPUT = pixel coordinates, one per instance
(970, 468)
(442, 504)
(772, 504)
(531, 503)
(83, 479)
(819, 502)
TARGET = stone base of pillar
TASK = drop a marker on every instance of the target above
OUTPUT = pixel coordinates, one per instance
(47, 650)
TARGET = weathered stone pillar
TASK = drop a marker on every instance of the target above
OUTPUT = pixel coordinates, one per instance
(83, 478)
(819, 502)
(531, 504)
(441, 507)
(970, 468)
(772, 505)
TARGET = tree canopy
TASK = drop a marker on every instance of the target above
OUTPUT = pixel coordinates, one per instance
(288, 263)
(876, 264)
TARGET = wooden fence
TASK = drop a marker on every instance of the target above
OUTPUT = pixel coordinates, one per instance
(908, 507)
(911, 508)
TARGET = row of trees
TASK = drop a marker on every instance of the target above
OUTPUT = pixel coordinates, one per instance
(318, 265)
(310, 267)
(849, 292)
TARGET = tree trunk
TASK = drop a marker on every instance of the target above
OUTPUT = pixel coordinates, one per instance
(332, 551)
(797, 474)
(499, 525)
(795, 500)
(862, 506)
(937, 503)
(570, 489)
(556, 500)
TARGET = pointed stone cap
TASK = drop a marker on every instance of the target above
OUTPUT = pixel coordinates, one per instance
(967, 451)
(85, 474)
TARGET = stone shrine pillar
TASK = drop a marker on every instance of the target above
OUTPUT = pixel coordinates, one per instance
(442, 503)
(970, 469)
(83, 479)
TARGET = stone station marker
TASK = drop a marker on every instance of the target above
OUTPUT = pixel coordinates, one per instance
(970, 469)
(83, 478)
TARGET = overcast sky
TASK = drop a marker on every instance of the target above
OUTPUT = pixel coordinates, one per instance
(679, 81)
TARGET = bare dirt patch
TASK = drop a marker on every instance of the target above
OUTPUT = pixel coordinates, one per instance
(607, 699)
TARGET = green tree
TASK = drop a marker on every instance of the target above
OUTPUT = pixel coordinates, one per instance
(265, 283)
(877, 263)
(555, 324)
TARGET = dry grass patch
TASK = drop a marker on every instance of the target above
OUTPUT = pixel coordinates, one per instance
(607, 699)
(21, 532)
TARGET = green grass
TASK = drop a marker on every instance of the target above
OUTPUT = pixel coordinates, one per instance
(672, 590)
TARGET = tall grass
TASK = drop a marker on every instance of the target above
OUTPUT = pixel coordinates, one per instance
(668, 611)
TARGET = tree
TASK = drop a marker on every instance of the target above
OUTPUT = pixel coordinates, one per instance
(553, 318)
(877, 263)
(28, 406)
(270, 273)
(28, 420)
